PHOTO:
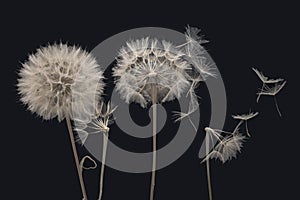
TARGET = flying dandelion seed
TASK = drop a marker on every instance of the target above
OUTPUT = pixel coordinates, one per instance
(266, 90)
(59, 81)
(199, 69)
(194, 54)
(265, 79)
(244, 117)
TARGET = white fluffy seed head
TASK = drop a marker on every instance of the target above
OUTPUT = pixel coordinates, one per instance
(146, 63)
(60, 80)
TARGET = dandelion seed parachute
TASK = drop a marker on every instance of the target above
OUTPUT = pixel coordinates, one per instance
(60, 80)
(267, 90)
(245, 117)
(265, 79)
(195, 55)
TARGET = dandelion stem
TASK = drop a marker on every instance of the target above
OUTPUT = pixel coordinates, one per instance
(104, 149)
(69, 125)
(154, 119)
(208, 168)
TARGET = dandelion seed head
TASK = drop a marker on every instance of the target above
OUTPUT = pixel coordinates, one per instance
(145, 63)
(99, 124)
(55, 77)
(228, 147)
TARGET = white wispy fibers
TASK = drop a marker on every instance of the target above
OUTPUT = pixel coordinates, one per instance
(144, 62)
(199, 69)
(195, 55)
(58, 78)
(267, 90)
(98, 125)
(150, 71)
(228, 147)
(61, 81)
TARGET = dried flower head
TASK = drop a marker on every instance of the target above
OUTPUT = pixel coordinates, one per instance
(228, 147)
(146, 62)
(99, 124)
(58, 78)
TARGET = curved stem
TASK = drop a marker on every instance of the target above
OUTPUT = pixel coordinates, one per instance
(69, 125)
(237, 127)
(263, 86)
(208, 168)
(247, 130)
(277, 106)
(104, 149)
(154, 115)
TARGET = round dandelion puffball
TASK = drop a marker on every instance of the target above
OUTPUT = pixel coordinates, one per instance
(60, 80)
(144, 63)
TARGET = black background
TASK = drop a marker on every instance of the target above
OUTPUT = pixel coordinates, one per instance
(36, 158)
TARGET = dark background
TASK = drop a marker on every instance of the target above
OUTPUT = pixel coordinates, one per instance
(36, 158)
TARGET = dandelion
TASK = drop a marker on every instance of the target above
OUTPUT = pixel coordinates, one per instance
(98, 125)
(225, 150)
(266, 90)
(244, 118)
(58, 81)
(146, 64)
(150, 71)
